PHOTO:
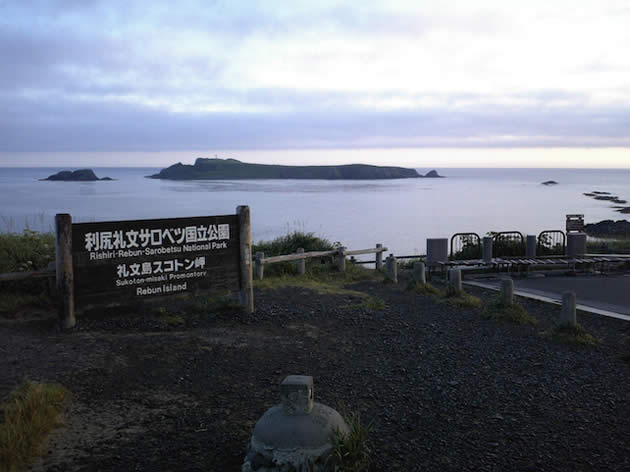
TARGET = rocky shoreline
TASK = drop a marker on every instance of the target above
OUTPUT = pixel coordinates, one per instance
(443, 388)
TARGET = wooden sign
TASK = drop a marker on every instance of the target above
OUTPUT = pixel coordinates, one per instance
(575, 223)
(121, 261)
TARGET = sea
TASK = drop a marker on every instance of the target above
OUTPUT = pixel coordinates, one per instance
(400, 214)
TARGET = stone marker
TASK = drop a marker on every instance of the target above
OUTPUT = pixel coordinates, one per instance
(576, 244)
(301, 263)
(487, 249)
(419, 273)
(567, 314)
(392, 268)
(295, 435)
(341, 258)
(507, 291)
(437, 251)
(455, 281)
(530, 246)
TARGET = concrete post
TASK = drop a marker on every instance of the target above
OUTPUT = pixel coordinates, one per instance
(392, 268)
(64, 271)
(419, 273)
(301, 263)
(341, 258)
(437, 251)
(379, 257)
(568, 312)
(576, 244)
(246, 272)
(260, 267)
(455, 281)
(487, 249)
(530, 246)
(507, 291)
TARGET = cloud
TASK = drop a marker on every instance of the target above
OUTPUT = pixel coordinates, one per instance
(116, 75)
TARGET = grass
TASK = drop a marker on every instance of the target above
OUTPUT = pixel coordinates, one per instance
(351, 452)
(423, 289)
(570, 335)
(514, 313)
(326, 281)
(28, 415)
(461, 299)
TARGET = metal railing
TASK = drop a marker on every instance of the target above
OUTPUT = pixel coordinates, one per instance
(465, 246)
(508, 243)
(551, 243)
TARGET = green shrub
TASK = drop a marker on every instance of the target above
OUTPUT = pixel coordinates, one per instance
(289, 244)
(30, 250)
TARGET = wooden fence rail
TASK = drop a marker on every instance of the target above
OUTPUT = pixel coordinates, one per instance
(340, 253)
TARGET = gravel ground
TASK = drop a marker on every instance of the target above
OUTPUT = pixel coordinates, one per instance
(443, 388)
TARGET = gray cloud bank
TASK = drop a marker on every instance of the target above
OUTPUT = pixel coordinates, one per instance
(79, 76)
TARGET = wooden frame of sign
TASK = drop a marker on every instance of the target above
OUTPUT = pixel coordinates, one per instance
(116, 261)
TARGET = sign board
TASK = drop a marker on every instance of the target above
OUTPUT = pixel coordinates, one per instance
(136, 260)
(575, 223)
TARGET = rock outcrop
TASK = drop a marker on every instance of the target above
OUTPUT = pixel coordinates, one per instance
(81, 175)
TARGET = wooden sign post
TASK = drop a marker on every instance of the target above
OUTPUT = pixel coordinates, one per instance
(119, 261)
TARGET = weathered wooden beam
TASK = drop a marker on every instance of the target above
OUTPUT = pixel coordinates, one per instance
(64, 271)
(246, 276)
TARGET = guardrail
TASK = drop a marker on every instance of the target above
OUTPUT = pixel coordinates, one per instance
(300, 257)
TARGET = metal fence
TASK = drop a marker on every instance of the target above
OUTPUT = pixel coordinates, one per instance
(508, 243)
(465, 246)
(551, 243)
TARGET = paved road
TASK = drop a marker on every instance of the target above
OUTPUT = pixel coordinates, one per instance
(604, 292)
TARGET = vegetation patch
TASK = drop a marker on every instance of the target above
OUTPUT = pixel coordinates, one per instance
(289, 244)
(351, 452)
(28, 415)
(324, 280)
(570, 334)
(424, 289)
(514, 313)
(462, 300)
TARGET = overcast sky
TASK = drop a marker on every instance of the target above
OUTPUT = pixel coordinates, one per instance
(119, 77)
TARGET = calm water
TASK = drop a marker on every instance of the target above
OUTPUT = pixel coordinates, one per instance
(399, 213)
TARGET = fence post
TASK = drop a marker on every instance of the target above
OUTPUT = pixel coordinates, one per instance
(419, 273)
(247, 286)
(507, 291)
(379, 257)
(64, 273)
(260, 267)
(392, 268)
(530, 246)
(487, 249)
(341, 258)
(567, 314)
(301, 263)
(455, 281)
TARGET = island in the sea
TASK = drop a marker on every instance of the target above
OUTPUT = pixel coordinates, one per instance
(81, 175)
(231, 169)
